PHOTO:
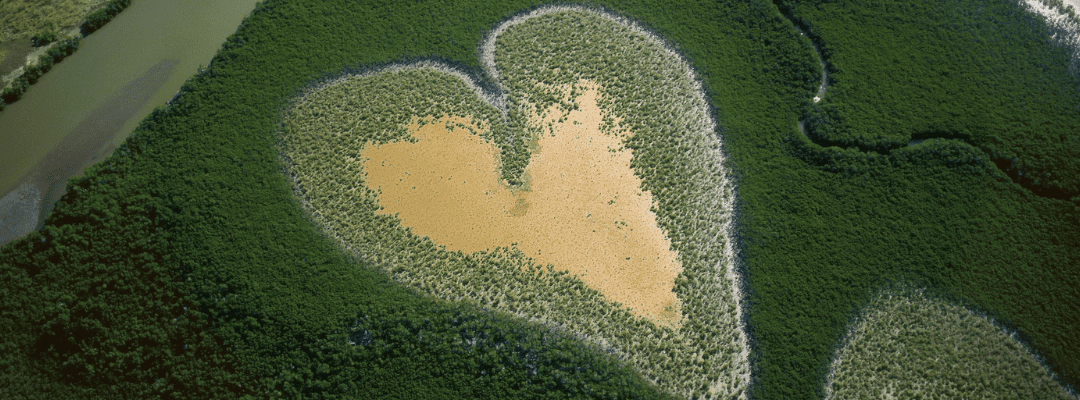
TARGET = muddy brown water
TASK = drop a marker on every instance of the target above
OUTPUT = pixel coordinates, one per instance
(583, 210)
(82, 109)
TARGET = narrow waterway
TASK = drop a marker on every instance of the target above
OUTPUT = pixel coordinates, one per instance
(824, 86)
(824, 75)
(79, 112)
(824, 68)
(1033, 6)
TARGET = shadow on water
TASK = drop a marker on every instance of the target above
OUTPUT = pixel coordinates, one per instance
(24, 208)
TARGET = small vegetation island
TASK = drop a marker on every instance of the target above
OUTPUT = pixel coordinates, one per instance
(623, 199)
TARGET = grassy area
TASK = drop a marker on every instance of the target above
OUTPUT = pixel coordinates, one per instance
(909, 345)
(208, 220)
(21, 19)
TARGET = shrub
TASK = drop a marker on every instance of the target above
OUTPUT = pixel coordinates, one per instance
(45, 62)
(44, 37)
(101, 17)
(16, 90)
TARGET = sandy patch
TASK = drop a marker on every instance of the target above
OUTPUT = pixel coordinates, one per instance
(582, 209)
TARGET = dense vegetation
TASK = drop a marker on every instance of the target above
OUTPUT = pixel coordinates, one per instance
(274, 305)
(99, 18)
(909, 345)
(90, 307)
(828, 226)
(44, 37)
(903, 72)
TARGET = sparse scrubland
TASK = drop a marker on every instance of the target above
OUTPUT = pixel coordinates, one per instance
(184, 265)
(662, 113)
(907, 345)
(1064, 25)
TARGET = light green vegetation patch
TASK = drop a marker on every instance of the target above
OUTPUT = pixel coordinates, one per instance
(24, 18)
(655, 97)
(910, 346)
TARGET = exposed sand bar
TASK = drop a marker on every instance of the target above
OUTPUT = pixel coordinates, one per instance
(582, 210)
(19, 211)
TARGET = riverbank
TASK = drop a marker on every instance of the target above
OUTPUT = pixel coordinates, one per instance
(21, 20)
(24, 209)
(51, 48)
(86, 106)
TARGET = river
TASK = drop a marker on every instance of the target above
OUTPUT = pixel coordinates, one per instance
(85, 107)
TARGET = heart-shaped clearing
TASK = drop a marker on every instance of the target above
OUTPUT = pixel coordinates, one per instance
(645, 172)
(583, 210)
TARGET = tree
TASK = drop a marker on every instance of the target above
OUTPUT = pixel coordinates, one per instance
(46, 36)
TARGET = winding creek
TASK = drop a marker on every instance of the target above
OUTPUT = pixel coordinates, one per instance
(825, 85)
(824, 76)
(79, 112)
(917, 138)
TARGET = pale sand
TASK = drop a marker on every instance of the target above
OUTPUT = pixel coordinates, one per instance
(583, 210)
